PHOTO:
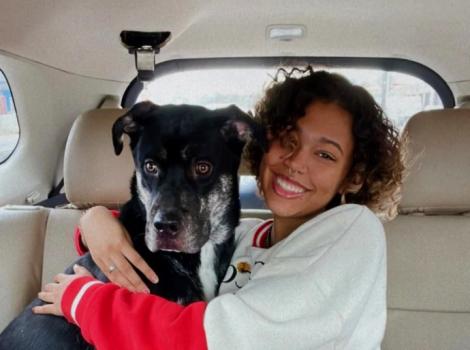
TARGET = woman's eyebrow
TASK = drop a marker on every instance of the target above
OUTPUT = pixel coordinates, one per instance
(331, 142)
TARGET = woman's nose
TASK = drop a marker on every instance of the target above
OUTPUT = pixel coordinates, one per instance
(296, 160)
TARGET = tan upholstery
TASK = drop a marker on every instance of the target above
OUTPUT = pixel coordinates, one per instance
(409, 330)
(59, 250)
(37, 243)
(21, 251)
(465, 104)
(439, 179)
(428, 244)
(93, 174)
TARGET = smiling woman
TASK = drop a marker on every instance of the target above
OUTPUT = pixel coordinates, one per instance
(316, 121)
(307, 165)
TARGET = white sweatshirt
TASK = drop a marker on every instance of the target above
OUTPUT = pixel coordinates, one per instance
(322, 287)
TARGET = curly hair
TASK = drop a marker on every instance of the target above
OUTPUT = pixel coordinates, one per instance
(378, 155)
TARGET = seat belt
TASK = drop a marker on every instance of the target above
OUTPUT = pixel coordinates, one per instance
(54, 198)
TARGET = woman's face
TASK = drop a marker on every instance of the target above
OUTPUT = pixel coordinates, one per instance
(307, 165)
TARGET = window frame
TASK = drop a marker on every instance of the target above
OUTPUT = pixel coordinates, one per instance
(399, 65)
(17, 120)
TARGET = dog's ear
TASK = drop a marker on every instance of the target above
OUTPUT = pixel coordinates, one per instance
(131, 124)
(242, 127)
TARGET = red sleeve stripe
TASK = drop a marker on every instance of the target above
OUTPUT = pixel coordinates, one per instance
(259, 238)
(78, 298)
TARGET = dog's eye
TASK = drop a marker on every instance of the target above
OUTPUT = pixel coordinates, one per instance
(203, 168)
(150, 167)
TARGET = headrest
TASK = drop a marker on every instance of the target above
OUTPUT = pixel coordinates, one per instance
(93, 174)
(465, 105)
(439, 175)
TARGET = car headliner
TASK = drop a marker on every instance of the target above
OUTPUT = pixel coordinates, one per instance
(82, 37)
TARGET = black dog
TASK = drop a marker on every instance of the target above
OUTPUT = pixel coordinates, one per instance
(182, 215)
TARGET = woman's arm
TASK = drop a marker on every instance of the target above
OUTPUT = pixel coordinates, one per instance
(110, 245)
(111, 317)
(137, 321)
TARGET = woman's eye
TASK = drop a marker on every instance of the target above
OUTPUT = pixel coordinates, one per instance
(202, 168)
(326, 156)
(150, 167)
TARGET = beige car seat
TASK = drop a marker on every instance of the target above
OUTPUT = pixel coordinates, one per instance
(429, 242)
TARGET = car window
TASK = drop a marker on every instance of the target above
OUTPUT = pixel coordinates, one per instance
(400, 95)
(9, 129)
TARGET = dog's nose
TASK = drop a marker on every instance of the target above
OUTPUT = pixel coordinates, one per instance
(166, 227)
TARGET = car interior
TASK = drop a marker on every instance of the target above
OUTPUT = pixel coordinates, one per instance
(66, 74)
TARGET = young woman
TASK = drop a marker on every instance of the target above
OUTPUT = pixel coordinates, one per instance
(313, 277)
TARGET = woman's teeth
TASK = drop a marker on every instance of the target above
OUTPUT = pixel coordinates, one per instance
(288, 186)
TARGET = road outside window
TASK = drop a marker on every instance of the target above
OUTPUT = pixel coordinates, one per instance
(9, 129)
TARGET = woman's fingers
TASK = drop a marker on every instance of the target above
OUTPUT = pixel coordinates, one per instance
(126, 269)
(136, 260)
(45, 309)
(49, 287)
(60, 277)
(80, 270)
(115, 275)
(48, 297)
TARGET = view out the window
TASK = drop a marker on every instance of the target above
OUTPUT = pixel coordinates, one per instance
(9, 130)
(400, 95)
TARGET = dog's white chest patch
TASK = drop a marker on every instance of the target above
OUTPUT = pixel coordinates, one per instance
(207, 274)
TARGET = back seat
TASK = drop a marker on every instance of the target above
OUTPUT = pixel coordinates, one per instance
(428, 244)
(35, 242)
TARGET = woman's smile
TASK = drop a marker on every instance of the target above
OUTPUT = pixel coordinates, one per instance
(287, 188)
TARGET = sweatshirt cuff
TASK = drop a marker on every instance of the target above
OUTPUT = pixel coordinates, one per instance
(77, 241)
(74, 293)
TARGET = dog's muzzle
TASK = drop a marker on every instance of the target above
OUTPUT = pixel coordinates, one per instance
(166, 223)
(166, 228)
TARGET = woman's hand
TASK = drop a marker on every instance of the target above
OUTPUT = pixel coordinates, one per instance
(111, 249)
(53, 292)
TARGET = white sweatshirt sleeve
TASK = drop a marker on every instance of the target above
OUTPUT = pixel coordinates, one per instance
(323, 287)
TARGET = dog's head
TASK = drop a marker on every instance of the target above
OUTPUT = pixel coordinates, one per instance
(186, 160)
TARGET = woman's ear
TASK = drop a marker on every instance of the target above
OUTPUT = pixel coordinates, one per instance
(352, 183)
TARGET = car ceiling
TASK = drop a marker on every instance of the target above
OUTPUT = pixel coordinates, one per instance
(82, 37)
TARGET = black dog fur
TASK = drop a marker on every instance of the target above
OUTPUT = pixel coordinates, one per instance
(182, 214)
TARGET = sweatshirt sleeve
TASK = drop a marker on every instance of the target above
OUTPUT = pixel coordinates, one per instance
(80, 248)
(114, 318)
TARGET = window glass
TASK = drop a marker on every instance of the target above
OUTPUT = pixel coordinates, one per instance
(9, 129)
(400, 95)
